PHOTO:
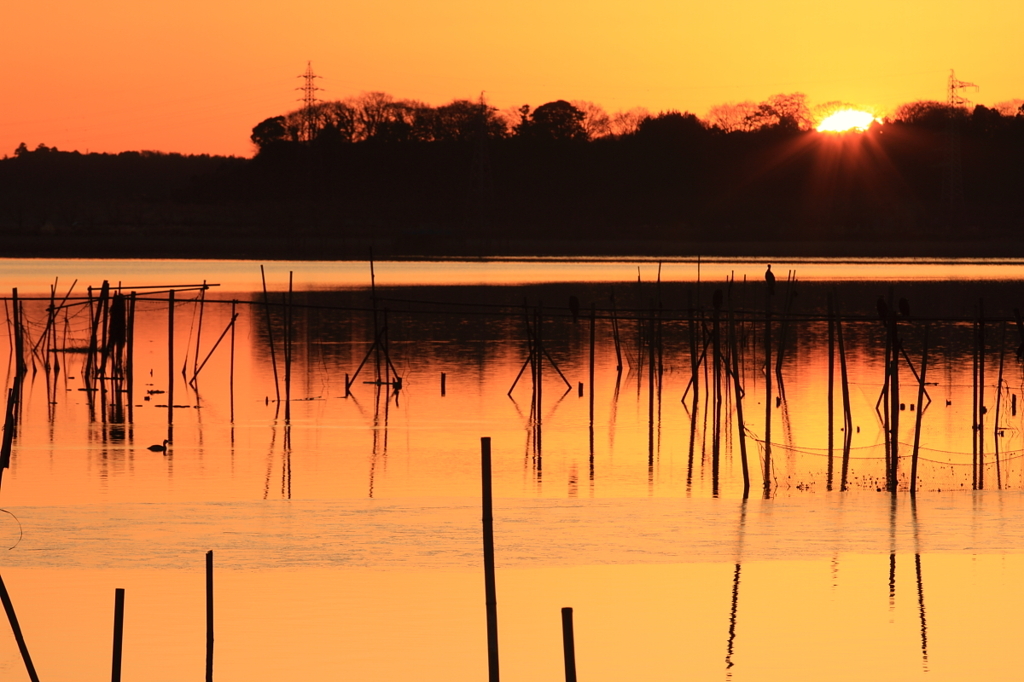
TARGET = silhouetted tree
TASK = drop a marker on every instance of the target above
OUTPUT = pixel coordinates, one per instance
(461, 121)
(626, 122)
(924, 113)
(596, 122)
(785, 111)
(671, 128)
(268, 132)
(556, 121)
(733, 117)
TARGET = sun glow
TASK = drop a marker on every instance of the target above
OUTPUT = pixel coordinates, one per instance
(846, 120)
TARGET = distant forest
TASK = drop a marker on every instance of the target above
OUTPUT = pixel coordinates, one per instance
(563, 178)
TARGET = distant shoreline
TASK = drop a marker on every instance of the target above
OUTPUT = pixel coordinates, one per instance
(189, 244)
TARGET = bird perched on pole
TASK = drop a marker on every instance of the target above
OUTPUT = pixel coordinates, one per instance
(904, 306)
(769, 277)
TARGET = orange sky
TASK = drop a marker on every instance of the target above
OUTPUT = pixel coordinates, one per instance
(195, 77)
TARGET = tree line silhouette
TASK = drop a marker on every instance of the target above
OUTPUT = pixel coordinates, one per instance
(424, 178)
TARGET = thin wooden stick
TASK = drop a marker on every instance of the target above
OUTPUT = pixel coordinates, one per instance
(917, 425)
(209, 616)
(741, 427)
(170, 358)
(490, 590)
(231, 370)
(270, 336)
(999, 404)
(981, 394)
(845, 383)
(288, 354)
(767, 391)
(831, 391)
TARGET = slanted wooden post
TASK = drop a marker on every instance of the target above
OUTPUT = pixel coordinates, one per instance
(13, 618)
(115, 674)
(568, 645)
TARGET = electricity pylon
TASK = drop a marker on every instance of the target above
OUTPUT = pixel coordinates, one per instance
(955, 103)
(309, 102)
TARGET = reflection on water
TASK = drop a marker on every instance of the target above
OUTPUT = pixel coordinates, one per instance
(704, 484)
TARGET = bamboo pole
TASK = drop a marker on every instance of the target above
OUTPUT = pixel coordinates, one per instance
(209, 616)
(741, 426)
(568, 645)
(288, 354)
(115, 674)
(917, 424)
(130, 356)
(767, 391)
(539, 385)
(12, 617)
(845, 383)
(490, 590)
(894, 404)
(270, 337)
(831, 391)
(170, 361)
(650, 396)
(199, 332)
(716, 363)
(593, 325)
(999, 404)
(231, 369)
(981, 394)
(615, 336)
(19, 335)
(231, 328)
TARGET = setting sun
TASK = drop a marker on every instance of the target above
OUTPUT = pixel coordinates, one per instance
(846, 120)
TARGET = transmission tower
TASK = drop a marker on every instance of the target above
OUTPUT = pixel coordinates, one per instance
(309, 102)
(956, 103)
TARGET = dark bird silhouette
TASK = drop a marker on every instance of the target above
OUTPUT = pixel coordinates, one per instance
(904, 308)
(770, 279)
(883, 309)
(159, 448)
(574, 308)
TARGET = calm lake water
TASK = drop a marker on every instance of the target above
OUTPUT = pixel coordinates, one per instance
(345, 524)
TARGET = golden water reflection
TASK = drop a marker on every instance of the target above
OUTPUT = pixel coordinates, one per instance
(660, 621)
(346, 529)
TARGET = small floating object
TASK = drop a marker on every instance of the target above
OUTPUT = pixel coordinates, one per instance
(159, 448)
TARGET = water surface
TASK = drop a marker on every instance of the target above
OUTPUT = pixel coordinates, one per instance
(346, 535)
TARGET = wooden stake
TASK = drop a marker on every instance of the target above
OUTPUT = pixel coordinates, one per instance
(231, 371)
(568, 645)
(288, 354)
(981, 394)
(209, 616)
(490, 591)
(767, 391)
(999, 405)
(115, 674)
(170, 358)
